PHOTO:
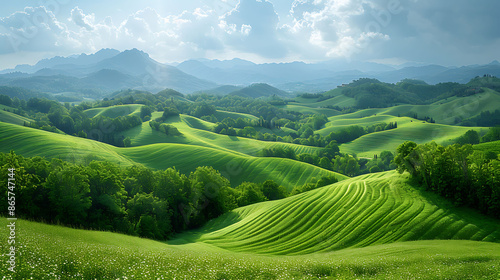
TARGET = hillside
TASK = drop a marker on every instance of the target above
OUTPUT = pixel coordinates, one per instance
(114, 111)
(368, 210)
(60, 252)
(259, 90)
(236, 166)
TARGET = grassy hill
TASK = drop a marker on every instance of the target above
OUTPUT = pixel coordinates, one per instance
(491, 146)
(55, 252)
(195, 133)
(114, 111)
(259, 90)
(304, 109)
(237, 167)
(368, 210)
(445, 111)
(9, 117)
(233, 115)
(415, 131)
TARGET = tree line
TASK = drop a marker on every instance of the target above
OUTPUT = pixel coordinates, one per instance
(463, 175)
(331, 159)
(133, 200)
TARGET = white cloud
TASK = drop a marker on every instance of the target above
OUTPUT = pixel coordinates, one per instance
(82, 20)
(314, 30)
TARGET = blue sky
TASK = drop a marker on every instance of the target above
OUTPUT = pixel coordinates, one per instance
(446, 32)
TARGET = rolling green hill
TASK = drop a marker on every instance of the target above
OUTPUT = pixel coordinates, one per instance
(54, 252)
(259, 90)
(114, 111)
(233, 115)
(444, 111)
(195, 133)
(9, 117)
(490, 146)
(302, 108)
(415, 131)
(236, 166)
(379, 208)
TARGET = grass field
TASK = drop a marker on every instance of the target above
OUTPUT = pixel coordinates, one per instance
(333, 223)
(9, 117)
(195, 133)
(304, 109)
(220, 115)
(408, 130)
(491, 146)
(418, 132)
(115, 111)
(237, 167)
(443, 112)
(373, 209)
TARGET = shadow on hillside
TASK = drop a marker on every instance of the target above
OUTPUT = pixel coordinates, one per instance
(467, 214)
(194, 235)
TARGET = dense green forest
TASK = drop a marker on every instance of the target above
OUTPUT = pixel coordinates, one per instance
(465, 176)
(133, 200)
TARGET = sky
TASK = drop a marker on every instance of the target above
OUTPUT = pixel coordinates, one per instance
(445, 32)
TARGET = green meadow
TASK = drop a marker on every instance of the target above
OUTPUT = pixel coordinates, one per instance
(371, 227)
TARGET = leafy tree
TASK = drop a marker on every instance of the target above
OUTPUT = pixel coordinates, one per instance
(470, 137)
(69, 193)
(403, 160)
(272, 191)
(250, 193)
(209, 194)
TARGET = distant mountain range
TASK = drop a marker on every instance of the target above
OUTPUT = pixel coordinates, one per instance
(110, 70)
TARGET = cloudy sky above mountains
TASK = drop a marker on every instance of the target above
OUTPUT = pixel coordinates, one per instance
(447, 32)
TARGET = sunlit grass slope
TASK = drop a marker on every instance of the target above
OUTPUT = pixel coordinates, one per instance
(237, 167)
(220, 115)
(34, 142)
(487, 147)
(194, 132)
(301, 108)
(444, 111)
(367, 210)
(339, 100)
(54, 252)
(9, 117)
(115, 111)
(416, 131)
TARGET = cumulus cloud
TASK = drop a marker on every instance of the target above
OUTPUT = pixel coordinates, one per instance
(310, 30)
(82, 20)
(34, 29)
(252, 26)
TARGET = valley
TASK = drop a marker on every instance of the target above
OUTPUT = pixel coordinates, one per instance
(192, 179)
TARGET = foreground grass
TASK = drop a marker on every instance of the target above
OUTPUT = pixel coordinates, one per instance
(53, 252)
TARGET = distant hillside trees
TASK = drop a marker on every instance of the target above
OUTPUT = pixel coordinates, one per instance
(485, 119)
(165, 128)
(457, 172)
(330, 158)
(472, 137)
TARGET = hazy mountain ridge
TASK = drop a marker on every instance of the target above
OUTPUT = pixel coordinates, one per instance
(109, 70)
